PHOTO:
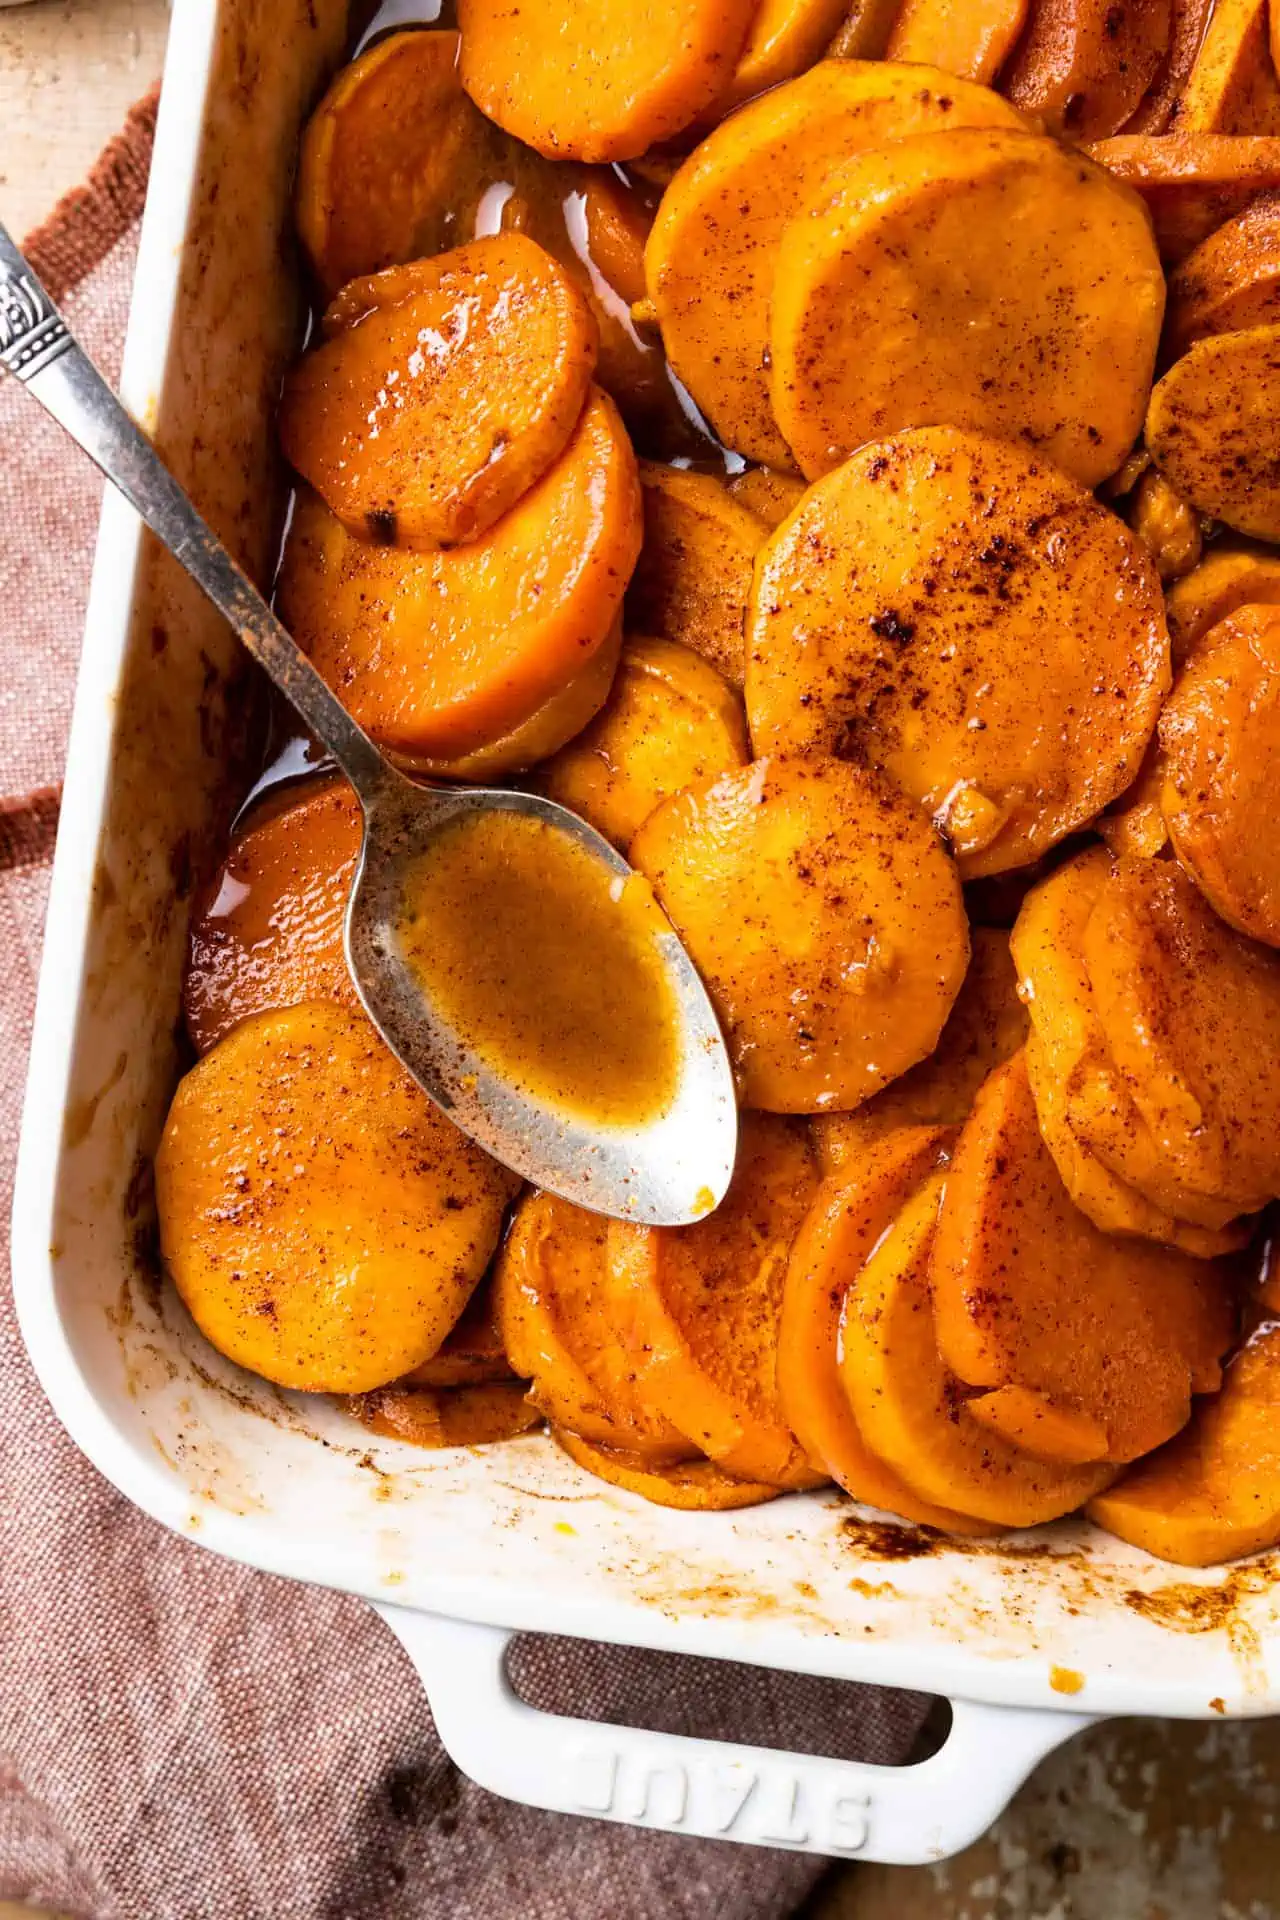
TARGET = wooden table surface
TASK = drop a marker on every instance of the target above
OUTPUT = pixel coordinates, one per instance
(1136, 1820)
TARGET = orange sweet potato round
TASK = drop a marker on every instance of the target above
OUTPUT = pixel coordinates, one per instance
(1167, 525)
(321, 1218)
(770, 496)
(473, 1354)
(702, 1305)
(926, 282)
(671, 721)
(1191, 1014)
(599, 79)
(953, 610)
(476, 1415)
(959, 36)
(557, 1330)
(423, 422)
(909, 1408)
(1232, 87)
(268, 930)
(1108, 1337)
(848, 1216)
(1220, 734)
(1232, 574)
(694, 572)
(825, 917)
(711, 257)
(1160, 106)
(985, 1027)
(439, 654)
(1212, 1494)
(1083, 66)
(1230, 281)
(785, 37)
(1191, 182)
(1212, 424)
(691, 1486)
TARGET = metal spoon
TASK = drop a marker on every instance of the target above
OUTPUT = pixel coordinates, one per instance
(667, 1172)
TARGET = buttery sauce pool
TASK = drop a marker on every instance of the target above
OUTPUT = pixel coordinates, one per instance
(546, 966)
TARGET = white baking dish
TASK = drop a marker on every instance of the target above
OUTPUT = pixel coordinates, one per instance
(459, 1549)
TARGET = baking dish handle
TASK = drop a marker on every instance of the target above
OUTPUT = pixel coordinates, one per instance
(903, 1816)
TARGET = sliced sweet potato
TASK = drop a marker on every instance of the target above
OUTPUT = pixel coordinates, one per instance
(982, 701)
(321, 1218)
(972, 41)
(711, 257)
(473, 1354)
(785, 37)
(1167, 526)
(1212, 424)
(703, 1304)
(463, 1416)
(1159, 108)
(694, 572)
(439, 654)
(1133, 826)
(825, 918)
(911, 1411)
(596, 79)
(1076, 1085)
(556, 1327)
(670, 721)
(1191, 182)
(1083, 66)
(985, 1027)
(864, 34)
(1232, 87)
(1232, 574)
(1220, 734)
(770, 496)
(1191, 1014)
(1230, 281)
(848, 1216)
(422, 423)
(1213, 1494)
(691, 1486)
(1108, 1337)
(268, 930)
(927, 281)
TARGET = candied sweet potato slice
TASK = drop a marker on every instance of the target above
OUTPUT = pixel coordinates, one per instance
(1168, 527)
(670, 721)
(1133, 826)
(322, 1220)
(557, 1330)
(711, 257)
(1110, 1337)
(475, 1415)
(439, 654)
(1083, 66)
(267, 931)
(958, 36)
(785, 37)
(1232, 574)
(982, 700)
(910, 1409)
(702, 1305)
(1213, 1493)
(691, 1486)
(694, 572)
(599, 79)
(1220, 734)
(422, 423)
(864, 33)
(770, 496)
(473, 1354)
(986, 1026)
(825, 917)
(1212, 424)
(1232, 87)
(1192, 182)
(1159, 107)
(1230, 281)
(926, 283)
(1191, 1014)
(848, 1216)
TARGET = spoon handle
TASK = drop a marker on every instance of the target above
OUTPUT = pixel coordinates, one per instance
(38, 348)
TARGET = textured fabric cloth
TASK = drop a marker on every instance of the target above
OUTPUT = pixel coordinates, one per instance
(182, 1737)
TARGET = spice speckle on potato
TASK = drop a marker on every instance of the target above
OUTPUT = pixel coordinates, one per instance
(956, 612)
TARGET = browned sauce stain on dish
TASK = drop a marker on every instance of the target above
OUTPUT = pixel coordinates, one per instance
(873, 1589)
(1187, 1607)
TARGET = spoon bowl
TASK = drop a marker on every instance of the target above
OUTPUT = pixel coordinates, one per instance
(671, 1162)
